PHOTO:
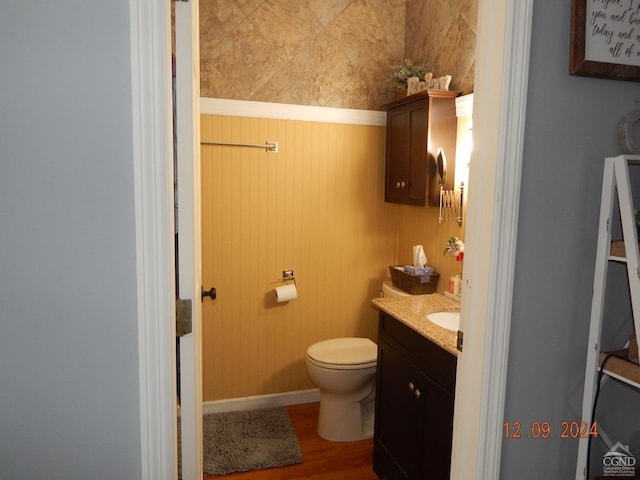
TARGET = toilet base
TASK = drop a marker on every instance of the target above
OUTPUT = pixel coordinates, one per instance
(344, 421)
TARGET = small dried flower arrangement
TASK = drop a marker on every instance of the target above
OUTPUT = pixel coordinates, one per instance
(455, 248)
(402, 72)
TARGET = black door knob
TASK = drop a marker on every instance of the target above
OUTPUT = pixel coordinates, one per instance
(211, 293)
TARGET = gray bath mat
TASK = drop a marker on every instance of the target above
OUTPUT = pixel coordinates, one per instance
(249, 440)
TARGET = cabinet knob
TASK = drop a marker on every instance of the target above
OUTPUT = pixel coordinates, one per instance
(414, 390)
(401, 184)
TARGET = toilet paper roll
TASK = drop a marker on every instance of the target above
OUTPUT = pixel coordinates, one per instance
(285, 293)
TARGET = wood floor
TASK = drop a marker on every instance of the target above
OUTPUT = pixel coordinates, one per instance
(323, 460)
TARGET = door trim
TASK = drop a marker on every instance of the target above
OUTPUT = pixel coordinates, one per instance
(153, 189)
(187, 66)
(501, 81)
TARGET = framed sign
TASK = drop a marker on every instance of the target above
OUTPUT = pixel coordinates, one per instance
(605, 39)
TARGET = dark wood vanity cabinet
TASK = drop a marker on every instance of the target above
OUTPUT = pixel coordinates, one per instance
(414, 405)
(417, 126)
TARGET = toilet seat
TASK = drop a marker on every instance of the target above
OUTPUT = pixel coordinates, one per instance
(344, 353)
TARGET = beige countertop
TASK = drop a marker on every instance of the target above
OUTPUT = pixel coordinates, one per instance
(413, 310)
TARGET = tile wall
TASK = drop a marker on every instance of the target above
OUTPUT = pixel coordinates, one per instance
(333, 53)
(443, 34)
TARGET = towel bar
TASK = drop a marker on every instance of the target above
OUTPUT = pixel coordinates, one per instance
(271, 147)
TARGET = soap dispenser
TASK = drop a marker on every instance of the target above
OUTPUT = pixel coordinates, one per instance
(455, 285)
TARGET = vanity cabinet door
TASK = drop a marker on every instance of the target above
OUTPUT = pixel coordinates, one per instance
(399, 427)
(414, 405)
(438, 432)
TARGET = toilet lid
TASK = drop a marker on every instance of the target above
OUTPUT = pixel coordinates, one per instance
(344, 351)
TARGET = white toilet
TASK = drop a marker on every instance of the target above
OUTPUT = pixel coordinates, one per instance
(344, 369)
(388, 290)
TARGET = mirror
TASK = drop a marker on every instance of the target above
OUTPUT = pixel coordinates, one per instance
(441, 162)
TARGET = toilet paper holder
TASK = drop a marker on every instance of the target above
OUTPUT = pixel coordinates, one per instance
(288, 275)
(287, 292)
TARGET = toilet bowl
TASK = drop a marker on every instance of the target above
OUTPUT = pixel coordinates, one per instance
(344, 371)
(388, 290)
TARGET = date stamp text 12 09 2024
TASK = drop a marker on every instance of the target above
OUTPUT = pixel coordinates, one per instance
(545, 429)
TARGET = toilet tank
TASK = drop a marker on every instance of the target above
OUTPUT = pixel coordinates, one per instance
(389, 291)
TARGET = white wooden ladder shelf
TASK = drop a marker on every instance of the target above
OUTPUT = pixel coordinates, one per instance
(616, 192)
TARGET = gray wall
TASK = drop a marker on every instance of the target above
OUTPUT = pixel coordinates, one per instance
(571, 127)
(69, 401)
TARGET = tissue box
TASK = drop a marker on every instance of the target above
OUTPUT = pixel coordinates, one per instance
(411, 270)
(413, 284)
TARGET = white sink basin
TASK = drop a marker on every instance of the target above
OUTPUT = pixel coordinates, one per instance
(448, 320)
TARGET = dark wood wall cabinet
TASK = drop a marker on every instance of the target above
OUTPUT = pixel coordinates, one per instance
(414, 405)
(417, 127)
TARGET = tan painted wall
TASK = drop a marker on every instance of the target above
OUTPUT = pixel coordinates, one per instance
(315, 207)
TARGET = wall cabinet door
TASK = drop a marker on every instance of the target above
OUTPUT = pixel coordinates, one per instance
(417, 126)
(406, 174)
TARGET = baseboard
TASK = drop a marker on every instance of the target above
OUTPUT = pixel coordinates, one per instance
(262, 401)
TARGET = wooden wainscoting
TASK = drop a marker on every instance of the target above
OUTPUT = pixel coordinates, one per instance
(315, 207)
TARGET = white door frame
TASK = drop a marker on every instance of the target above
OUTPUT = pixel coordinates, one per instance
(150, 26)
(499, 110)
(189, 253)
(150, 34)
(499, 107)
